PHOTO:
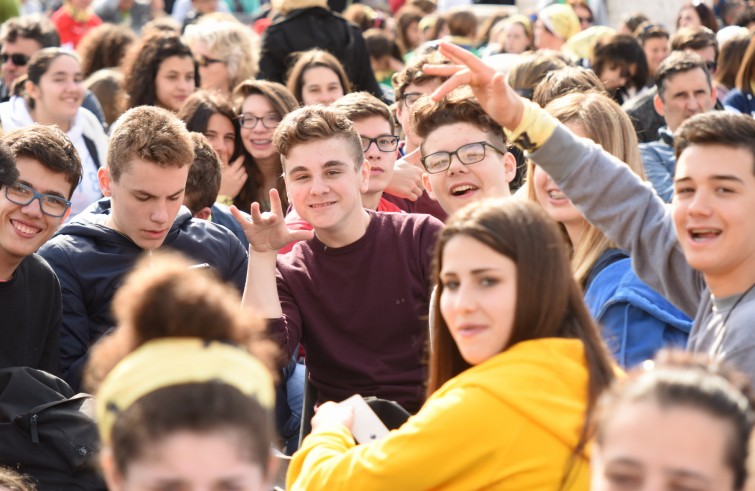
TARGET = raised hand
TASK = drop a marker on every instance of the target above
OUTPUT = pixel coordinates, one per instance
(267, 232)
(490, 87)
(233, 178)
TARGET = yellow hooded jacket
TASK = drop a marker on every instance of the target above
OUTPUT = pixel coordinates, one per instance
(509, 423)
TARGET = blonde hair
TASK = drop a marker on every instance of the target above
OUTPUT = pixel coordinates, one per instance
(604, 122)
(231, 42)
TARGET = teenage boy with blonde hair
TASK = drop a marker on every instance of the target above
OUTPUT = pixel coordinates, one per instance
(355, 290)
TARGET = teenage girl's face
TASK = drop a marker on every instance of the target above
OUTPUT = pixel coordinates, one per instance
(60, 92)
(649, 447)
(258, 141)
(550, 196)
(516, 39)
(321, 86)
(478, 300)
(688, 18)
(189, 461)
(174, 82)
(221, 135)
(616, 75)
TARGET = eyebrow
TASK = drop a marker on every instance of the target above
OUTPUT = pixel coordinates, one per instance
(724, 177)
(51, 192)
(327, 165)
(141, 191)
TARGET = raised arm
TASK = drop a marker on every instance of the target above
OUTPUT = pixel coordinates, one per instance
(266, 232)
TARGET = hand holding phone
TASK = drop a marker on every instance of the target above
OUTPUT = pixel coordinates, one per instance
(367, 426)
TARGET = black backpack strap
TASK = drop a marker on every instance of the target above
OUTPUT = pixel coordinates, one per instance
(92, 148)
(606, 259)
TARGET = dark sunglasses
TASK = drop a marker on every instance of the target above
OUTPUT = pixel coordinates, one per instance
(18, 59)
(203, 60)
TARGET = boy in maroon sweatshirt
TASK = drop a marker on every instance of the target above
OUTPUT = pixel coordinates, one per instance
(354, 291)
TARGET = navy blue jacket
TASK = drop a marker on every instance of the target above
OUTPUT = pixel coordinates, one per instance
(738, 101)
(91, 260)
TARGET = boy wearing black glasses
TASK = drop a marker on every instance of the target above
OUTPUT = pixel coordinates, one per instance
(354, 293)
(20, 38)
(464, 151)
(34, 193)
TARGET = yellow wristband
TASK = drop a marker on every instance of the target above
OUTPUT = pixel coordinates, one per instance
(535, 129)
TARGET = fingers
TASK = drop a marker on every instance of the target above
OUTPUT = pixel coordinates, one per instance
(240, 217)
(275, 203)
(413, 157)
(462, 77)
(442, 70)
(460, 56)
(297, 235)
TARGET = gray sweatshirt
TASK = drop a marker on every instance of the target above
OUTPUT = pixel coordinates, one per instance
(630, 213)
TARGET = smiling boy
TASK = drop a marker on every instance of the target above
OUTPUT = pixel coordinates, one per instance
(699, 253)
(463, 151)
(34, 202)
(355, 291)
(144, 183)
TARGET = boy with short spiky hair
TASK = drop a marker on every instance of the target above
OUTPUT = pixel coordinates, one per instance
(364, 337)
(148, 161)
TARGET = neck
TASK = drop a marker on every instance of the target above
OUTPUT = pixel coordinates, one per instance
(574, 230)
(409, 146)
(42, 118)
(346, 233)
(8, 266)
(727, 285)
(371, 200)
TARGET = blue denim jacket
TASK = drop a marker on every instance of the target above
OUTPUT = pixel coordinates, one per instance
(660, 162)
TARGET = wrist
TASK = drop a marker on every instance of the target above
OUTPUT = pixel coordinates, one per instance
(534, 129)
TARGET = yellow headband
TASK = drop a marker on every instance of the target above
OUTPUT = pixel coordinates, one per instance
(173, 361)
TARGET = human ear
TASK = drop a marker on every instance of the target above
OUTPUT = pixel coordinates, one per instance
(103, 177)
(658, 105)
(113, 478)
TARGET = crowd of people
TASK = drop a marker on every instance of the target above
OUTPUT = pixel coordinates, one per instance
(522, 236)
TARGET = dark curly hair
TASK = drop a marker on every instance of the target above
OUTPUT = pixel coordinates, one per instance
(104, 47)
(142, 63)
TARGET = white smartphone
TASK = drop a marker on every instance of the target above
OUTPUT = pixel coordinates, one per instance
(367, 426)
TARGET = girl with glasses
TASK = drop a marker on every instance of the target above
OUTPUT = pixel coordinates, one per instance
(260, 106)
(501, 367)
(52, 93)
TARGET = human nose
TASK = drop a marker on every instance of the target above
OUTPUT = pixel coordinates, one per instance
(455, 165)
(34, 207)
(464, 299)
(319, 186)
(159, 214)
(699, 204)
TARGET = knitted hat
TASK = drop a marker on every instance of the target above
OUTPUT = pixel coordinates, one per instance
(561, 20)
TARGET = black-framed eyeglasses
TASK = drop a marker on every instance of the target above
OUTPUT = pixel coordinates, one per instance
(270, 121)
(468, 154)
(203, 60)
(411, 97)
(18, 59)
(52, 205)
(384, 143)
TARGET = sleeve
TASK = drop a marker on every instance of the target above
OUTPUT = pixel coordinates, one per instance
(238, 261)
(408, 457)
(75, 330)
(626, 209)
(736, 102)
(365, 77)
(657, 173)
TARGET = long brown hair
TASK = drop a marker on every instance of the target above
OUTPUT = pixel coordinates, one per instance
(283, 102)
(523, 232)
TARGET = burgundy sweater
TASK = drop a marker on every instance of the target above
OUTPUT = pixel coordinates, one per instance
(360, 311)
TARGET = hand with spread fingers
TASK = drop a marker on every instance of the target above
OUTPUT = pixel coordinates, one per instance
(233, 177)
(490, 87)
(267, 232)
(406, 181)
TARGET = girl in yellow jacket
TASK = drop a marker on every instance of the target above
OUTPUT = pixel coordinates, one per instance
(516, 366)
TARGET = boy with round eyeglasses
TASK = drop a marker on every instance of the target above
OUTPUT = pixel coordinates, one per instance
(39, 169)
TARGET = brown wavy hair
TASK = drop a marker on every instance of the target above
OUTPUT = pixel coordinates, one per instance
(105, 46)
